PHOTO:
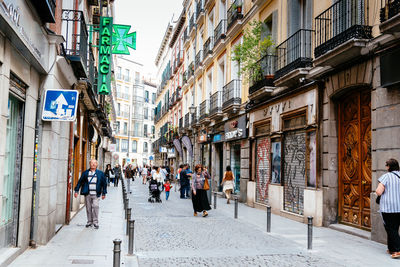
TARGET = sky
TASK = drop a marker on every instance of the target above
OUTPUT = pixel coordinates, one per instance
(149, 18)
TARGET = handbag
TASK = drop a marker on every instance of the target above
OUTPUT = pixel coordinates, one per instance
(112, 176)
(206, 186)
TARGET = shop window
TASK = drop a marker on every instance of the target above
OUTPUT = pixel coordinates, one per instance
(294, 122)
(276, 162)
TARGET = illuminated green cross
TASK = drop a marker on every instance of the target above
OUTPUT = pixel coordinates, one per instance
(121, 39)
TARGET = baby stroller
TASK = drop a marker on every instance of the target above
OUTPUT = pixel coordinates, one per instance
(154, 191)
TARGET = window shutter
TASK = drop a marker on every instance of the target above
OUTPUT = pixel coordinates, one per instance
(275, 27)
(294, 10)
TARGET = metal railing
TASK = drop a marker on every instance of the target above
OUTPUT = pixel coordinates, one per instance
(208, 46)
(295, 52)
(199, 8)
(194, 117)
(178, 93)
(262, 74)
(198, 59)
(220, 31)
(92, 71)
(232, 93)
(76, 36)
(191, 22)
(216, 102)
(187, 117)
(234, 13)
(389, 9)
(344, 20)
(204, 109)
(181, 123)
(185, 34)
(184, 77)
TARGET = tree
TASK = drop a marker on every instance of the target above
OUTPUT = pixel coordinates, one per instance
(252, 50)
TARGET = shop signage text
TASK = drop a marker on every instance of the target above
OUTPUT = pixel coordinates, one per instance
(104, 79)
(236, 129)
(234, 134)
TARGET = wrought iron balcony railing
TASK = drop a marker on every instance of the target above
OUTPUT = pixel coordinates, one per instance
(181, 123)
(76, 40)
(220, 31)
(232, 93)
(389, 9)
(194, 117)
(204, 109)
(295, 52)
(187, 117)
(178, 93)
(191, 22)
(234, 13)
(208, 46)
(185, 34)
(184, 77)
(198, 59)
(262, 74)
(199, 8)
(344, 20)
(180, 58)
(216, 102)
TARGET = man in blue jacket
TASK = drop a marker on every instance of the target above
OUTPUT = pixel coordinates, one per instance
(93, 184)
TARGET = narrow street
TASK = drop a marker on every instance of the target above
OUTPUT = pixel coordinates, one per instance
(168, 234)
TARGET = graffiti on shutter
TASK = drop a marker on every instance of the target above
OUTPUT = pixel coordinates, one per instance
(263, 169)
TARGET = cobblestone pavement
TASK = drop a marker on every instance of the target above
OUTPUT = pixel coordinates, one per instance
(167, 234)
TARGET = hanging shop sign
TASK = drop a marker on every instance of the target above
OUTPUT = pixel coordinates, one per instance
(60, 105)
(163, 149)
(188, 144)
(171, 153)
(114, 39)
(236, 129)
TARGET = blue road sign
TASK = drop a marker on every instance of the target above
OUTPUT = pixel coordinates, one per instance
(60, 105)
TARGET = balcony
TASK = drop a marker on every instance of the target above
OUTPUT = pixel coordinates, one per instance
(172, 101)
(295, 53)
(76, 42)
(234, 16)
(198, 62)
(232, 98)
(200, 12)
(341, 32)
(390, 16)
(193, 119)
(192, 25)
(180, 58)
(46, 10)
(262, 76)
(187, 117)
(186, 38)
(216, 105)
(219, 36)
(181, 124)
(178, 94)
(93, 2)
(204, 110)
(184, 80)
(208, 50)
(191, 73)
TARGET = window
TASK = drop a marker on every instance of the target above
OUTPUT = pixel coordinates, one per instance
(117, 145)
(136, 129)
(118, 127)
(145, 130)
(146, 96)
(119, 73)
(153, 130)
(125, 128)
(134, 146)
(126, 76)
(145, 147)
(118, 109)
(146, 113)
(137, 77)
(124, 145)
(153, 98)
(126, 93)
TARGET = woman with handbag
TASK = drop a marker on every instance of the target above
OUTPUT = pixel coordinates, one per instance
(109, 174)
(228, 182)
(199, 191)
(389, 191)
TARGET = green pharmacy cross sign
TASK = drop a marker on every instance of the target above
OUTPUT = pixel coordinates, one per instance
(111, 42)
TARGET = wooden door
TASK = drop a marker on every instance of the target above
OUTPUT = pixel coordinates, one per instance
(355, 159)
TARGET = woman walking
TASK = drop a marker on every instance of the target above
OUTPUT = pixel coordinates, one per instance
(228, 183)
(117, 172)
(389, 190)
(199, 195)
(109, 174)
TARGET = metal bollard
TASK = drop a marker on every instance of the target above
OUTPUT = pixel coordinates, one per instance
(128, 217)
(126, 207)
(117, 252)
(268, 219)
(215, 200)
(310, 228)
(236, 207)
(131, 236)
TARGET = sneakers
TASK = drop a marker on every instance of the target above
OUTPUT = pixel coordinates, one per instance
(88, 225)
(205, 214)
(96, 226)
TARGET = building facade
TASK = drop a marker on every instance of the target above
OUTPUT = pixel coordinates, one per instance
(135, 114)
(41, 161)
(307, 132)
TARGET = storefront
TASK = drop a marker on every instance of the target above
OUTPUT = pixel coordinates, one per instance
(284, 153)
(235, 131)
(205, 149)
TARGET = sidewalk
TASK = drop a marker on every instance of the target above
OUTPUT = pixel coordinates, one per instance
(75, 245)
(337, 246)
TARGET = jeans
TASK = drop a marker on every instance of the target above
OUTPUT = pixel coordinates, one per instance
(166, 195)
(185, 189)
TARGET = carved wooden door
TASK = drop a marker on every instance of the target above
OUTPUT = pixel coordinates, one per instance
(355, 159)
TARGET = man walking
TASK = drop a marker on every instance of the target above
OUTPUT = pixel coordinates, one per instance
(129, 176)
(92, 183)
(185, 182)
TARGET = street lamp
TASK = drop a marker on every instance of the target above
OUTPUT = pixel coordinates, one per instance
(192, 109)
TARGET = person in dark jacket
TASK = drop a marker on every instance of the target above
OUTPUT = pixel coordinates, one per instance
(110, 175)
(117, 172)
(92, 184)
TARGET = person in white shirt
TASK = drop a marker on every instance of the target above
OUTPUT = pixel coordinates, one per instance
(144, 174)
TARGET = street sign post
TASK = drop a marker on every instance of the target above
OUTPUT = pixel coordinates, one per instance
(60, 105)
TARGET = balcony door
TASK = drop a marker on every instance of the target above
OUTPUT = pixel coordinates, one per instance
(222, 9)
